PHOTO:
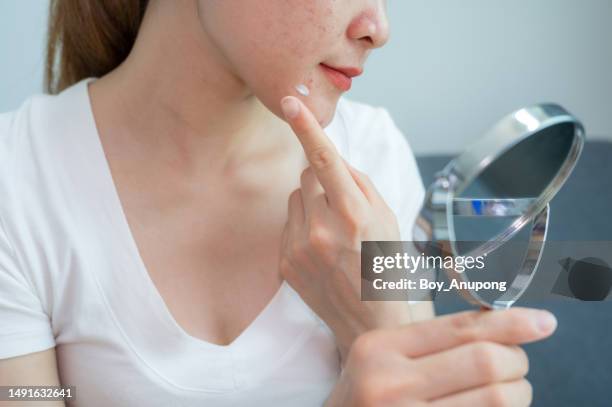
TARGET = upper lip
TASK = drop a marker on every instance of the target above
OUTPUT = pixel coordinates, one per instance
(348, 71)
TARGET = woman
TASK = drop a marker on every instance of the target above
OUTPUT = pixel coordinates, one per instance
(178, 229)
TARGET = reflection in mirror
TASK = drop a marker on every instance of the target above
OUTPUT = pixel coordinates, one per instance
(527, 168)
(523, 171)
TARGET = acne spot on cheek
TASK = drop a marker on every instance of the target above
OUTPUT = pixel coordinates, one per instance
(319, 13)
(309, 82)
(330, 10)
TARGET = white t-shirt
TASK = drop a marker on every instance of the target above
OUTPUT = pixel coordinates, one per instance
(71, 275)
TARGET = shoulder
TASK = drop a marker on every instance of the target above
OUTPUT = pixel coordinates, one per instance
(377, 147)
(43, 159)
(16, 133)
(20, 132)
(24, 129)
(43, 113)
(23, 313)
(33, 137)
(38, 146)
(20, 170)
(13, 125)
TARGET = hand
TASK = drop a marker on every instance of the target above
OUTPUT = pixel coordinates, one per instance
(462, 360)
(335, 208)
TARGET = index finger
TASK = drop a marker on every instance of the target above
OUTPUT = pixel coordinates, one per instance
(514, 326)
(320, 151)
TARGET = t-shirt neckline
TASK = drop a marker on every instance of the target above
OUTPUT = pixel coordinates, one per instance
(137, 305)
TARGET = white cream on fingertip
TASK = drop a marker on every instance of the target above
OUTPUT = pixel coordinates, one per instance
(302, 89)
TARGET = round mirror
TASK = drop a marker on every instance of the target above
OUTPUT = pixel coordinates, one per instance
(501, 186)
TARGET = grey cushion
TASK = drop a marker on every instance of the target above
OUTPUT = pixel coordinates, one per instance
(574, 366)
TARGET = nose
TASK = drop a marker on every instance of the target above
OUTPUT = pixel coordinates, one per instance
(371, 26)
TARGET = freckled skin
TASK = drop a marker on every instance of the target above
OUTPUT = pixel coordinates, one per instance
(274, 45)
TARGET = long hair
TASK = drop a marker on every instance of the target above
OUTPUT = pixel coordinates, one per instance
(88, 38)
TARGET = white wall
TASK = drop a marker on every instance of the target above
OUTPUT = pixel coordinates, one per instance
(22, 37)
(451, 69)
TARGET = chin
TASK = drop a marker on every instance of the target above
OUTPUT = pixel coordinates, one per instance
(322, 106)
(323, 109)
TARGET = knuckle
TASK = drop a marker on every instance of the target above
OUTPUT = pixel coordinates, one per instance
(512, 316)
(354, 225)
(315, 223)
(365, 346)
(485, 359)
(465, 326)
(354, 218)
(515, 324)
(306, 174)
(294, 196)
(319, 238)
(321, 157)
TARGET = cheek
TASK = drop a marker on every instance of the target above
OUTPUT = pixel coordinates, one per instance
(279, 45)
(291, 57)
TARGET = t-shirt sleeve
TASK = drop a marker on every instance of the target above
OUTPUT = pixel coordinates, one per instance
(382, 151)
(24, 325)
(384, 154)
(411, 191)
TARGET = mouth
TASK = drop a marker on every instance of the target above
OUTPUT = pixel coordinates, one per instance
(341, 77)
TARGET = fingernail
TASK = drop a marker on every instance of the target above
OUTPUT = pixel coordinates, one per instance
(290, 107)
(546, 322)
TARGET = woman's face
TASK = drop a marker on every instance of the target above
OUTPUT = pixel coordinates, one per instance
(274, 45)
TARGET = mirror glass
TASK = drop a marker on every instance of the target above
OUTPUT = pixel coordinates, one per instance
(524, 170)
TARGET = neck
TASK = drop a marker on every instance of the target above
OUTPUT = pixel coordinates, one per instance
(176, 95)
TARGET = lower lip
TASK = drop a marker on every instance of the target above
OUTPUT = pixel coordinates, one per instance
(340, 80)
